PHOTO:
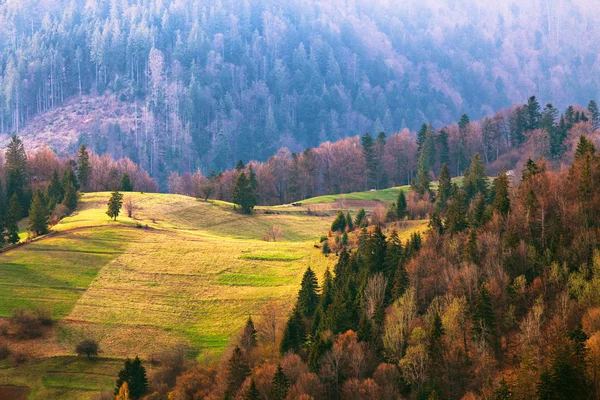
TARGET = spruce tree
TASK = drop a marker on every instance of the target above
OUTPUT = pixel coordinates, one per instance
(361, 220)
(501, 193)
(252, 392)
(248, 340)
(401, 205)
(339, 223)
(55, 191)
(457, 213)
(13, 215)
(134, 374)
(114, 205)
(421, 135)
(531, 169)
(371, 159)
(484, 323)
(84, 169)
(281, 384)
(308, 297)
(126, 185)
(39, 216)
(349, 222)
(71, 198)
(444, 188)
(584, 146)
(533, 114)
(443, 148)
(243, 194)
(594, 114)
(237, 374)
(294, 333)
(475, 179)
(16, 171)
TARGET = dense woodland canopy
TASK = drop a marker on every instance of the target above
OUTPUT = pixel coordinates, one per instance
(214, 82)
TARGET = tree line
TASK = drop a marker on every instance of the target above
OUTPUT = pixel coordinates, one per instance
(368, 162)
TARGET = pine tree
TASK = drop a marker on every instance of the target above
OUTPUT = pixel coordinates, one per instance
(55, 191)
(252, 392)
(401, 205)
(484, 322)
(114, 205)
(349, 222)
(69, 176)
(501, 193)
(84, 170)
(478, 215)
(371, 159)
(39, 217)
(237, 374)
(281, 384)
(16, 171)
(518, 122)
(126, 185)
(294, 334)
(71, 198)
(457, 213)
(533, 114)
(594, 114)
(248, 340)
(361, 220)
(584, 146)
(243, 194)
(472, 251)
(444, 188)
(240, 166)
(436, 334)
(13, 215)
(475, 179)
(133, 374)
(444, 149)
(421, 135)
(308, 298)
(339, 223)
(531, 169)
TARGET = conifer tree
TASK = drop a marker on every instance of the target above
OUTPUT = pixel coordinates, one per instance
(55, 191)
(16, 171)
(361, 220)
(530, 170)
(252, 393)
(501, 193)
(372, 161)
(478, 213)
(349, 222)
(444, 149)
(421, 135)
(237, 374)
(71, 198)
(114, 205)
(12, 219)
(339, 223)
(457, 213)
(294, 333)
(401, 205)
(308, 298)
(584, 146)
(475, 179)
(484, 318)
(281, 384)
(126, 185)
(444, 188)
(248, 340)
(472, 252)
(38, 215)
(594, 114)
(243, 194)
(533, 114)
(134, 374)
(84, 170)
(240, 166)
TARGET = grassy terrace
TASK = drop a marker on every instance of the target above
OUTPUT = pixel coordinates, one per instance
(182, 271)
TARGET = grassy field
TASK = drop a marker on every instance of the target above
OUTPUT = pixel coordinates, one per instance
(180, 271)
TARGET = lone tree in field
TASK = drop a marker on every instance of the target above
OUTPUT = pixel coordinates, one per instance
(114, 204)
(38, 215)
(88, 348)
(133, 374)
(243, 193)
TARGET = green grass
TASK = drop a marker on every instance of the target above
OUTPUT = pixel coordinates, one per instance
(180, 271)
(386, 195)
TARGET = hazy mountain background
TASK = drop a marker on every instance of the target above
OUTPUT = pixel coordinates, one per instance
(187, 84)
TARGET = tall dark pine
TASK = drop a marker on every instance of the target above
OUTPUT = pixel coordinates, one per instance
(13, 215)
(126, 185)
(443, 148)
(71, 197)
(501, 193)
(281, 384)
(237, 374)
(308, 297)
(134, 373)
(533, 114)
(401, 205)
(444, 188)
(114, 205)
(84, 170)
(294, 333)
(475, 181)
(55, 191)
(16, 171)
(371, 159)
(243, 194)
(484, 320)
(39, 217)
(248, 340)
(594, 114)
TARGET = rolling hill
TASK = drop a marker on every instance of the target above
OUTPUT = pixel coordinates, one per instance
(182, 271)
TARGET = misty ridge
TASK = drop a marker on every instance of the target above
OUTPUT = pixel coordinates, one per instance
(187, 85)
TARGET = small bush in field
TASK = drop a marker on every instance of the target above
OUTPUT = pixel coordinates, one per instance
(88, 348)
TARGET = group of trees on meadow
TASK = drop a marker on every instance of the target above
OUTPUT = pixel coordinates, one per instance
(214, 83)
(367, 162)
(499, 300)
(43, 187)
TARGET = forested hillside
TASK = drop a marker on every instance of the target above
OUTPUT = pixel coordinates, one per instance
(207, 83)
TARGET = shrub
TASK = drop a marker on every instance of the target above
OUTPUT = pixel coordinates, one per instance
(26, 324)
(4, 351)
(44, 315)
(87, 347)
